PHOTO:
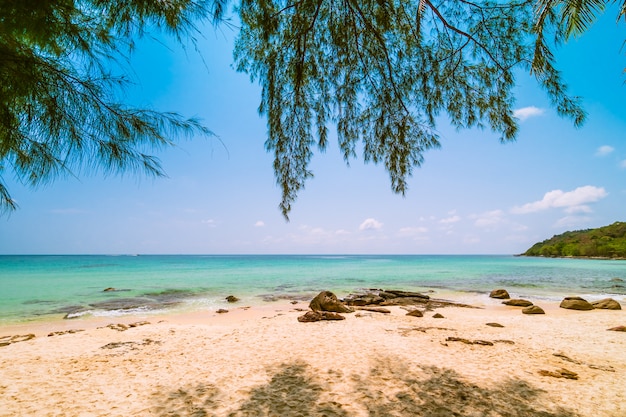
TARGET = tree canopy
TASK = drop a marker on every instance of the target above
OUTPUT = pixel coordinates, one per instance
(59, 100)
(382, 72)
(603, 242)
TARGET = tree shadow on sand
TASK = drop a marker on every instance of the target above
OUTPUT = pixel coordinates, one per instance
(291, 392)
(440, 392)
(188, 401)
(388, 390)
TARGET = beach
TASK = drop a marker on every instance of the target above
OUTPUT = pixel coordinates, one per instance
(260, 361)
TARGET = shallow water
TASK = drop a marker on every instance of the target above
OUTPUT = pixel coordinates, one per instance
(35, 287)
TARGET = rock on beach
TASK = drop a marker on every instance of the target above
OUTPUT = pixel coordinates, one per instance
(533, 310)
(576, 303)
(517, 302)
(607, 304)
(500, 294)
(328, 301)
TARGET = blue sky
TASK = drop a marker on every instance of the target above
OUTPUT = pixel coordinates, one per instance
(472, 196)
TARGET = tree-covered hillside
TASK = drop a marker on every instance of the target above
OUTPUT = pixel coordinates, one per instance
(604, 242)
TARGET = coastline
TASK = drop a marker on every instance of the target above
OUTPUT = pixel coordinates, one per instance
(260, 360)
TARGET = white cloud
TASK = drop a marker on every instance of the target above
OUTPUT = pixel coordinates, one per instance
(570, 200)
(527, 112)
(604, 150)
(371, 224)
(578, 209)
(449, 220)
(259, 223)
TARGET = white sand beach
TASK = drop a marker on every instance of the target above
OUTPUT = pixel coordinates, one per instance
(260, 361)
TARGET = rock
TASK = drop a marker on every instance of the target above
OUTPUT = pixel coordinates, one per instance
(607, 304)
(517, 302)
(576, 303)
(386, 295)
(364, 300)
(437, 316)
(232, 299)
(618, 329)
(500, 293)
(221, 311)
(617, 279)
(311, 316)
(109, 289)
(533, 310)
(119, 327)
(469, 342)
(376, 310)
(327, 301)
(494, 325)
(412, 294)
(415, 313)
(7, 340)
(559, 373)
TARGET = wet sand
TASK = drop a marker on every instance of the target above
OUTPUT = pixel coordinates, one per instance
(260, 361)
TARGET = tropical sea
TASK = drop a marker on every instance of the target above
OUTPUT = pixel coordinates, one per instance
(36, 287)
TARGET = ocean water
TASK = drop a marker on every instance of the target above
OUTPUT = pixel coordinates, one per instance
(53, 287)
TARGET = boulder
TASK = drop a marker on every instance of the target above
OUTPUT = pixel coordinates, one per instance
(576, 303)
(437, 316)
(327, 301)
(494, 325)
(500, 293)
(533, 310)
(517, 302)
(312, 316)
(607, 304)
(415, 313)
(232, 299)
(221, 311)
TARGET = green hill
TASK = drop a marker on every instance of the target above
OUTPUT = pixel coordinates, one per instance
(603, 242)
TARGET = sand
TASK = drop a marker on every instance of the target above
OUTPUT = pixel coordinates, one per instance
(261, 361)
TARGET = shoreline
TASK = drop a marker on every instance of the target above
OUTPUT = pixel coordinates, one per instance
(250, 306)
(261, 361)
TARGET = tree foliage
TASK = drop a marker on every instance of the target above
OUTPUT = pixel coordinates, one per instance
(604, 242)
(59, 102)
(383, 71)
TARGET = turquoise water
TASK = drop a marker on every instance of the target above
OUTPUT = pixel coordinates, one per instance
(36, 287)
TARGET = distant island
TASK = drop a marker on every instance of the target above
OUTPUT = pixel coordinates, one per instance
(608, 242)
